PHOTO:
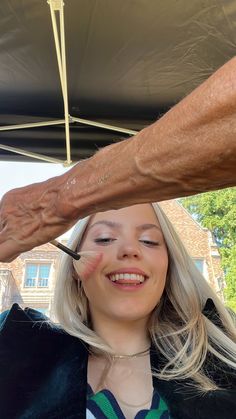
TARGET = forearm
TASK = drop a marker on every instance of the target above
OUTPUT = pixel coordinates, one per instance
(191, 149)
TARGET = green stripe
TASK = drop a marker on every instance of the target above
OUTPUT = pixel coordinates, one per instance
(104, 404)
(153, 414)
(162, 405)
(156, 413)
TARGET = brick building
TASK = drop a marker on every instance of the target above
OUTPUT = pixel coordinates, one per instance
(199, 243)
(33, 276)
(30, 279)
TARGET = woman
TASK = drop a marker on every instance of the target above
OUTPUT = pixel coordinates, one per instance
(154, 339)
(145, 293)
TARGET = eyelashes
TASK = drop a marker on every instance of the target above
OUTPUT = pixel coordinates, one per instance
(104, 240)
(109, 240)
(150, 242)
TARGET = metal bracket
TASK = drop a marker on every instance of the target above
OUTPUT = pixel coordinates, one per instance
(56, 4)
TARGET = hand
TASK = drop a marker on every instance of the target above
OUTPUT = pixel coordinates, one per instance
(29, 217)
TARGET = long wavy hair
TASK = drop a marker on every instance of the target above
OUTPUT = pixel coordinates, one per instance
(178, 328)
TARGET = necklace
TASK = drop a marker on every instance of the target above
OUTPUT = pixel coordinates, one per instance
(136, 355)
(144, 404)
(120, 356)
(104, 381)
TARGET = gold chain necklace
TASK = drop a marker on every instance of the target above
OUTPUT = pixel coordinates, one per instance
(137, 406)
(136, 355)
(102, 381)
(120, 356)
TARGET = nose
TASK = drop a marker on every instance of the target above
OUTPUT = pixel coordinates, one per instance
(129, 251)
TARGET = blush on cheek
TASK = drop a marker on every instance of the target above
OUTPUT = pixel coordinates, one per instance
(87, 264)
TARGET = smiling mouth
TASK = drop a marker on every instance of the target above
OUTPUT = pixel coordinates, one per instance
(127, 279)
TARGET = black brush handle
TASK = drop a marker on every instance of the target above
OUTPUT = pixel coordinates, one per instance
(65, 249)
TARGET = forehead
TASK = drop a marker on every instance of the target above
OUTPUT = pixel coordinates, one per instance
(133, 215)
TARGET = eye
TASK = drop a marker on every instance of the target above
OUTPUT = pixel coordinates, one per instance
(149, 242)
(104, 240)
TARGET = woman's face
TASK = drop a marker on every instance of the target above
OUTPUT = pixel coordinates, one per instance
(130, 279)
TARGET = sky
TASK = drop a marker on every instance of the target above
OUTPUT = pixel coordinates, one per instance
(15, 175)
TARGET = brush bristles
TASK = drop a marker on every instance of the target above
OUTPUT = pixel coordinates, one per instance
(87, 264)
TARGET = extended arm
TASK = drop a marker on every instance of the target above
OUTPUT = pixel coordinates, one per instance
(191, 149)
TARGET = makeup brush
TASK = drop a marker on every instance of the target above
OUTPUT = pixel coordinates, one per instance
(84, 262)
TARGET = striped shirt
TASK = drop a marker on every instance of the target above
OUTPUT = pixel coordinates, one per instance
(103, 405)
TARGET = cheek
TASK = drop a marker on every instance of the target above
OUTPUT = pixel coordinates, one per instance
(94, 288)
(95, 277)
(160, 263)
(165, 264)
(91, 287)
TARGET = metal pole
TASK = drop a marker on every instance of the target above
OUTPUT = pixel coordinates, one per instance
(33, 125)
(29, 154)
(57, 5)
(101, 125)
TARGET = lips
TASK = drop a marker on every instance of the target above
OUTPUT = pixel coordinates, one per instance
(128, 271)
(129, 276)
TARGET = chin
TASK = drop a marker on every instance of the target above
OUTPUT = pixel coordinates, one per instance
(130, 315)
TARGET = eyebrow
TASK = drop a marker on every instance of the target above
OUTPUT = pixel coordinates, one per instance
(117, 226)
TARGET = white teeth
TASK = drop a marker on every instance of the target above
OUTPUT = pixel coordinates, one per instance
(130, 277)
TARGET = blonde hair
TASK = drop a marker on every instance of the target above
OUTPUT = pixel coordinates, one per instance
(178, 328)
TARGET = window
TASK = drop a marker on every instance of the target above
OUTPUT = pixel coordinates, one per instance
(42, 310)
(199, 264)
(37, 274)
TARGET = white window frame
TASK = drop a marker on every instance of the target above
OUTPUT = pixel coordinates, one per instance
(38, 263)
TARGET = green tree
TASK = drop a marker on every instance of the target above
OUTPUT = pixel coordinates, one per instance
(217, 211)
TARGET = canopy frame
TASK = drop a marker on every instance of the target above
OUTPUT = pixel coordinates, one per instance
(57, 9)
